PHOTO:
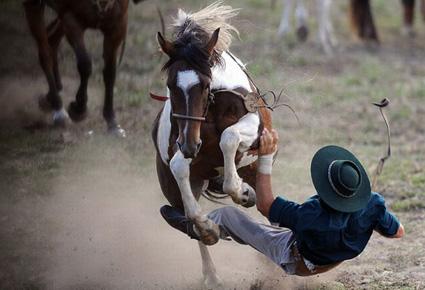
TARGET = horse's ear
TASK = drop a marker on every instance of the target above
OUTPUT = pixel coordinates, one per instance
(166, 46)
(213, 41)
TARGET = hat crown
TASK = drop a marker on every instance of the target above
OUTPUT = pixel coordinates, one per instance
(344, 177)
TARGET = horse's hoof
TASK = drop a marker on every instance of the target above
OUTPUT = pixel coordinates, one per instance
(408, 31)
(302, 33)
(248, 198)
(44, 104)
(60, 118)
(232, 187)
(76, 114)
(117, 131)
(208, 231)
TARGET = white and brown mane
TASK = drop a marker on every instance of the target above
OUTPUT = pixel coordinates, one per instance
(205, 130)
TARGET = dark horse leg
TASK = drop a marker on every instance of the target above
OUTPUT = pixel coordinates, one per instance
(34, 11)
(422, 7)
(113, 38)
(55, 33)
(408, 16)
(74, 32)
(362, 22)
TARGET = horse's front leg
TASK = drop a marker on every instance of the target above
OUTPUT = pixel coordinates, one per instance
(211, 279)
(285, 22)
(239, 136)
(180, 167)
(74, 32)
(326, 32)
(301, 16)
(34, 12)
(113, 40)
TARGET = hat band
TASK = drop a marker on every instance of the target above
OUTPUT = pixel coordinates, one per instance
(333, 185)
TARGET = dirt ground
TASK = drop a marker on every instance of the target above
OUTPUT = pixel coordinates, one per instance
(79, 209)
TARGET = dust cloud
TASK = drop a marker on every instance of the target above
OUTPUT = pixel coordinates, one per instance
(107, 233)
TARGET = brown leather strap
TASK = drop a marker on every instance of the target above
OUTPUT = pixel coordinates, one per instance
(301, 268)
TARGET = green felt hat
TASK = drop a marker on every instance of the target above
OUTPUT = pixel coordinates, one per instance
(340, 179)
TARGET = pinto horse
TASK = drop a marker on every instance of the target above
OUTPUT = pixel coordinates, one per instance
(210, 123)
(74, 17)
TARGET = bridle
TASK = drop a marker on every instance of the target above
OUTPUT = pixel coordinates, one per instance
(210, 100)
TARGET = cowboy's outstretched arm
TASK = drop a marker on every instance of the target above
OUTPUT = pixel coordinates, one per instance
(268, 146)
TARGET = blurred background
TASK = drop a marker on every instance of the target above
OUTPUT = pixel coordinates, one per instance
(79, 209)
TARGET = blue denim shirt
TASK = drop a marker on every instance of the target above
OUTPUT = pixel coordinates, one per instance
(325, 236)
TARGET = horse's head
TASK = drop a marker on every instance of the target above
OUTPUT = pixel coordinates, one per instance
(189, 78)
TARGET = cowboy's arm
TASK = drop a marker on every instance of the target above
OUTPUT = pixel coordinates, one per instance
(388, 225)
(400, 232)
(397, 235)
(268, 147)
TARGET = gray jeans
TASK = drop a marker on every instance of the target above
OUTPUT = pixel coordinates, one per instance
(274, 242)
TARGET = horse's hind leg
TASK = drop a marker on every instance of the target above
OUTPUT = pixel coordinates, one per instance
(55, 33)
(301, 16)
(74, 32)
(408, 17)
(113, 40)
(239, 136)
(211, 279)
(422, 8)
(285, 22)
(34, 12)
(180, 167)
(325, 33)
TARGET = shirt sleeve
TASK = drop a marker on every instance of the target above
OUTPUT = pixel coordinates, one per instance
(387, 223)
(284, 212)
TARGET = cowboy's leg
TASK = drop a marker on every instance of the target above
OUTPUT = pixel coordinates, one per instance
(273, 242)
(238, 137)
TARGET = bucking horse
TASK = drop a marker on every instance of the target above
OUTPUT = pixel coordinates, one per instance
(210, 123)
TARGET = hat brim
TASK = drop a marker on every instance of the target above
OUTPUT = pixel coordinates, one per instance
(319, 174)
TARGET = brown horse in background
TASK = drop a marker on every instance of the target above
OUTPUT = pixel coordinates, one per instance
(74, 18)
(362, 22)
(409, 15)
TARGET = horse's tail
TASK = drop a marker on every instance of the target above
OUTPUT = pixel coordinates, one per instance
(362, 23)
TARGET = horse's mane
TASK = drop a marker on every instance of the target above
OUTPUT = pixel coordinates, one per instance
(192, 31)
(209, 19)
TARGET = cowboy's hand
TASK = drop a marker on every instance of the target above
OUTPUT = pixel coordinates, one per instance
(268, 142)
(268, 147)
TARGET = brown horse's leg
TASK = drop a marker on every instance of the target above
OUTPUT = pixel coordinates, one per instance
(113, 39)
(408, 16)
(422, 7)
(74, 32)
(55, 33)
(34, 11)
(362, 22)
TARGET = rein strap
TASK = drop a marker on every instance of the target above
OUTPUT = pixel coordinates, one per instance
(188, 117)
